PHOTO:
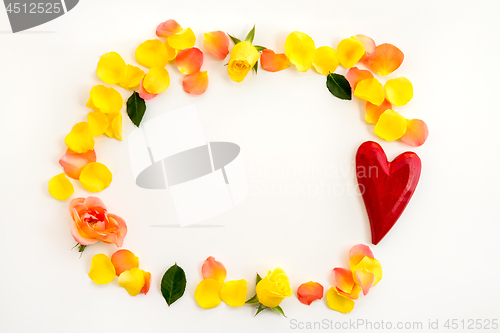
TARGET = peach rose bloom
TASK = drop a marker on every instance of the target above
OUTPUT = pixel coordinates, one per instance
(91, 222)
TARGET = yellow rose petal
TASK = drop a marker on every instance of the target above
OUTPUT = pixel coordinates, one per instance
(207, 293)
(370, 90)
(60, 187)
(243, 57)
(234, 293)
(98, 123)
(102, 270)
(325, 60)
(156, 80)
(339, 302)
(114, 129)
(184, 39)
(152, 53)
(371, 265)
(111, 68)
(391, 125)
(105, 100)
(132, 280)
(171, 52)
(300, 49)
(350, 52)
(95, 177)
(399, 91)
(132, 78)
(80, 139)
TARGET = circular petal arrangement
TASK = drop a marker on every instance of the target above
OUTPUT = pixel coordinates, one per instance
(91, 221)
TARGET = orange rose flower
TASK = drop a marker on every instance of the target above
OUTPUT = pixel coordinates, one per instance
(91, 222)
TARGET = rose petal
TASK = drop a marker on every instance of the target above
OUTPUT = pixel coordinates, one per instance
(80, 139)
(73, 164)
(343, 279)
(114, 129)
(111, 68)
(355, 75)
(399, 91)
(171, 52)
(370, 265)
(349, 52)
(373, 112)
(132, 280)
(325, 60)
(168, 28)
(273, 62)
(234, 293)
(309, 292)
(386, 59)
(243, 58)
(207, 293)
(105, 100)
(147, 283)
(132, 78)
(370, 90)
(60, 187)
(95, 177)
(189, 61)
(365, 280)
(339, 302)
(123, 260)
(89, 155)
(368, 44)
(300, 49)
(121, 232)
(98, 123)
(195, 84)
(416, 132)
(144, 94)
(156, 80)
(213, 269)
(183, 39)
(390, 126)
(101, 269)
(217, 43)
(152, 53)
(357, 253)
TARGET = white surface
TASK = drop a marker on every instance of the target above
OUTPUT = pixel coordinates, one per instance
(298, 142)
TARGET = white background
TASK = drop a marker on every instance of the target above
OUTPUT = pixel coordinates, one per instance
(440, 260)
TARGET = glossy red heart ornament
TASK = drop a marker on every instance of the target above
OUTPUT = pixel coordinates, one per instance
(386, 187)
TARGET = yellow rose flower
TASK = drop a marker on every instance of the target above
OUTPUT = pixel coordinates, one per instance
(243, 57)
(272, 289)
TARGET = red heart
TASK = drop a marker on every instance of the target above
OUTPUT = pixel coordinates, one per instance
(386, 187)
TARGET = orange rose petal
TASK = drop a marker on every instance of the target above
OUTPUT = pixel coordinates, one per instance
(73, 164)
(213, 269)
(144, 94)
(343, 279)
(189, 61)
(416, 132)
(147, 283)
(370, 90)
(309, 292)
(273, 62)
(355, 75)
(217, 43)
(349, 52)
(195, 84)
(369, 45)
(365, 280)
(168, 28)
(386, 59)
(123, 260)
(89, 155)
(357, 253)
(373, 112)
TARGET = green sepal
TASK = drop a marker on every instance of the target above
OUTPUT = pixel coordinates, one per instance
(234, 39)
(255, 67)
(260, 48)
(250, 35)
(279, 310)
(260, 309)
(257, 279)
(253, 300)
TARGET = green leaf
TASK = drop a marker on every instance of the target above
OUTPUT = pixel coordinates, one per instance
(251, 35)
(339, 86)
(234, 39)
(260, 48)
(257, 279)
(260, 309)
(173, 284)
(255, 67)
(253, 300)
(136, 107)
(279, 310)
